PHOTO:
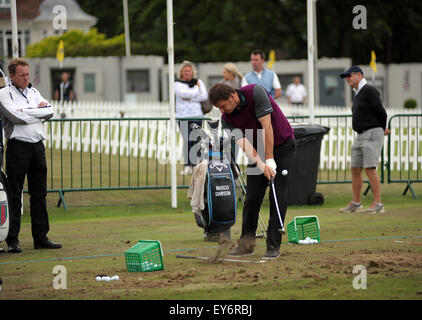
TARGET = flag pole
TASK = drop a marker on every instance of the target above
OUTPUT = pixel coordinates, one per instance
(311, 51)
(126, 23)
(15, 43)
(170, 50)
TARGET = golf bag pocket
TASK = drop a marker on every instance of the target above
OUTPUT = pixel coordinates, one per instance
(4, 207)
(219, 213)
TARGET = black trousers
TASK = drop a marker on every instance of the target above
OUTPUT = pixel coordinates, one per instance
(255, 191)
(27, 159)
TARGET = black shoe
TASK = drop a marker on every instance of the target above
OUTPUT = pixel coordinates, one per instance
(14, 248)
(240, 252)
(1, 250)
(271, 254)
(46, 244)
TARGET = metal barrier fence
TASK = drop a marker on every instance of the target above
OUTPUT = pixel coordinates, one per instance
(133, 153)
(405, 150)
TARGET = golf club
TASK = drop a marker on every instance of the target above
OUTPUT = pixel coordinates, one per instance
(276, 205)
(221, 259)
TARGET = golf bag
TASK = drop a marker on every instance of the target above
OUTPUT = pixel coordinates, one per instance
(219, 213)
(4, 195)
(4, 207)
(4, 198)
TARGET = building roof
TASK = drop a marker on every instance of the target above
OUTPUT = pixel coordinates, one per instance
(73, 11)
(42, 10)
(26, 9)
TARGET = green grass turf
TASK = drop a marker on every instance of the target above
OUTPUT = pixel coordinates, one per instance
(108, 223)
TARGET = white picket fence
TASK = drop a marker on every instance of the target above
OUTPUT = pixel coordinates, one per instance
(113, 109)
(150, 138)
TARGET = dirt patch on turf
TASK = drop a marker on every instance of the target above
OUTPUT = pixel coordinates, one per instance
(375, 262)
(247, 244)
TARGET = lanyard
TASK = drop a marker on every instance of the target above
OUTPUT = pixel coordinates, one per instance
(22, 92)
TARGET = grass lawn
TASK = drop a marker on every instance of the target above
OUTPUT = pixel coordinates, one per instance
(99, 227)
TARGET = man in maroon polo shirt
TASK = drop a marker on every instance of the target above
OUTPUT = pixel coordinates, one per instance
(264, 133)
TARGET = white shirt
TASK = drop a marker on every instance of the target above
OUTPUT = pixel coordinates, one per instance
(188, 99)
(296, 93)
(276, 82)
(22, 119)
(360, 85)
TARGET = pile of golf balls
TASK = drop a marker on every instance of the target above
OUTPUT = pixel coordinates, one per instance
(107, 278)
(308, 240)
(148, 265)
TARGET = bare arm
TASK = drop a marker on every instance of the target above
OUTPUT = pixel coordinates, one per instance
(253, 156)
(277, 93)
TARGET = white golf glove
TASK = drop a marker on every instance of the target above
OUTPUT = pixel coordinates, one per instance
(271, 163)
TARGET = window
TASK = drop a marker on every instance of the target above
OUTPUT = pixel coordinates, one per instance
(331, 87)
(89, 82)
(2, 47)
(212, 80)
(4, 3)
(137, 81)
(287, 78)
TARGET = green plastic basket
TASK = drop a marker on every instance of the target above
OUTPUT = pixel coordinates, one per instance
(302, 227)
(146, 255)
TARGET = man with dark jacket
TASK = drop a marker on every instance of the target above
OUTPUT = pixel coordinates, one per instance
(260, 128)
(369, 121)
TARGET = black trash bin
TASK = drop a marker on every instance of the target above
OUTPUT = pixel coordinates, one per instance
(304, 171)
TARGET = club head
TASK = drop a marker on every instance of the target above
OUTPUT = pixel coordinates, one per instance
(213, 124)
(194, 126)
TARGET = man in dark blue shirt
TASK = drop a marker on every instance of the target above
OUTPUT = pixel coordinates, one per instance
(369, 121)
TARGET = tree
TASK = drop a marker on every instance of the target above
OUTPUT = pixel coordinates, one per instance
(209, 30)
(78, 44)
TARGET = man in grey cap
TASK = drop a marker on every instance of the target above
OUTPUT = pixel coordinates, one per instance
(369, 121)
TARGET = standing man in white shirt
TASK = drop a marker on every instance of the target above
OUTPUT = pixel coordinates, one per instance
(23, 109)
(260, 75)
(296, 92)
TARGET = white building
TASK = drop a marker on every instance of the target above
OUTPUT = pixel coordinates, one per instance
(35, 21)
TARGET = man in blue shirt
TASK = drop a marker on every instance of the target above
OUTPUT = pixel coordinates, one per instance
(260, 75)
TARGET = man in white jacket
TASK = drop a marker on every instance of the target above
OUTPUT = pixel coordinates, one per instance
(23, 109)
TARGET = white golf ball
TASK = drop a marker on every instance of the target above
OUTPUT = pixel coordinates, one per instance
(106, 278)
(116, 277)
(284, 172)
(98, 278)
